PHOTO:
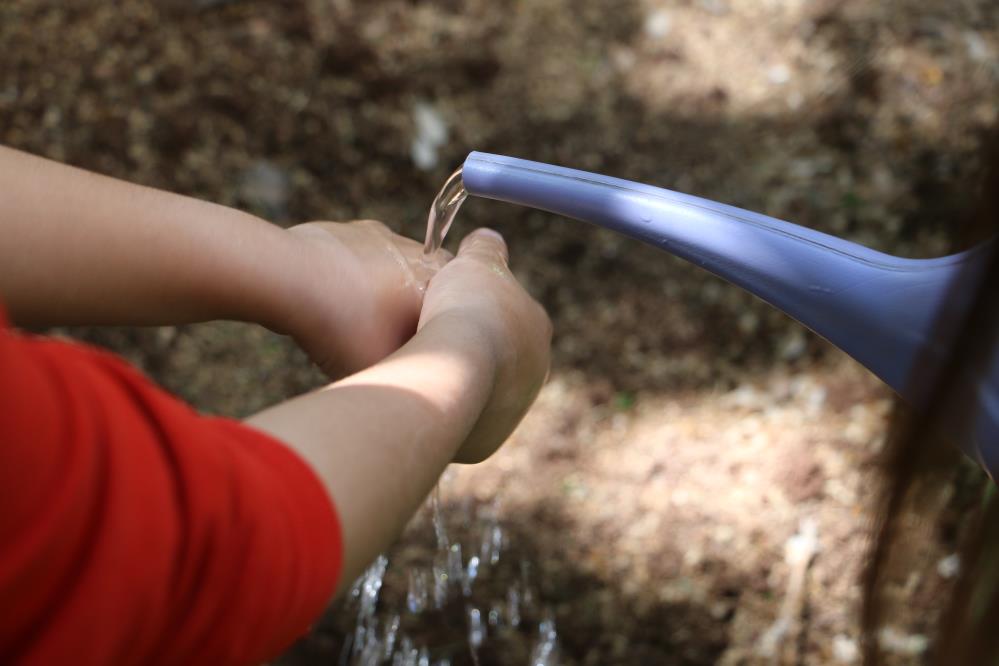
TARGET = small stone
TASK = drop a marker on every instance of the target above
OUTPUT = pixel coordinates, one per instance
(431, 134)
(910, 645)
(949, 566)
(845, 649)
(658, 24)
(793, 345)
(978, 49)
(748, 322)
(779, 74)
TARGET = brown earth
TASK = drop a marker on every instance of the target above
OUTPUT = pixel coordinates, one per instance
(688, 430)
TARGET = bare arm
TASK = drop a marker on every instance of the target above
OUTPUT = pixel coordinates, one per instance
(380, 438)
(81, 248)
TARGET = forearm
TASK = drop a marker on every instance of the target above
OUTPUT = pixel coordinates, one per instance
(380, 438)
(80, 248)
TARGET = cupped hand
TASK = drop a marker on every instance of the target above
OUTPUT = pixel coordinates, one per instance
(360, 293)
(477, 290)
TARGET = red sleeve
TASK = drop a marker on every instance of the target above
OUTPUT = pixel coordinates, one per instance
(134, 531)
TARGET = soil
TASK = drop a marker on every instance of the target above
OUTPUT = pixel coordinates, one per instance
(688, 430)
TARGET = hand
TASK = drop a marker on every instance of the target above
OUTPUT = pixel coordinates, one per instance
(478, 290)
(362, 288)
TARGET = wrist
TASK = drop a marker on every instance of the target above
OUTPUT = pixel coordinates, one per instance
(248, 269)
(466, 364)
(292, 288)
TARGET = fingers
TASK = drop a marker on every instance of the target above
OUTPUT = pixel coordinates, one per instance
(484, 245)
(376, 225)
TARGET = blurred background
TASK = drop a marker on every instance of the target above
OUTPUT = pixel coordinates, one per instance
(689, 433)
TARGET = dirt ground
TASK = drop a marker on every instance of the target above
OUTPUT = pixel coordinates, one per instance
(688, 431)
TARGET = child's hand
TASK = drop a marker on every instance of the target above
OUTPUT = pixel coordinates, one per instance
(363, 289)
(479, 296)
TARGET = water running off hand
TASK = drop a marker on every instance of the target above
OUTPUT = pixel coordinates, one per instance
(442, 213)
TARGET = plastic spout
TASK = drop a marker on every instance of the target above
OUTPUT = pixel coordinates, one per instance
(884, 311)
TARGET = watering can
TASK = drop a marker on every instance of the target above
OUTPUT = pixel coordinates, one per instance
(895, 316)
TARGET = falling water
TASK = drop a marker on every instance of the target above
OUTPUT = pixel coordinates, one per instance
(476, 633)
(471, 573)
(442, 212)
(448, 579)
(366, 645)
(418, 595)
(391, 630)
(513, 606)
(384, 636)
(545, 651)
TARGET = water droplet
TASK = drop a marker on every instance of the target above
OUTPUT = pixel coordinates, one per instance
(418, 594)
(442, 558)
(440, 530)
(455, 569)
(476, 631)
(492, 542)
(513, 607)
(391, 630)
(372, 585)
(366, 646)
(646, 218)
(544, 653)
(497, 544)
(471, 573)
(440, 581)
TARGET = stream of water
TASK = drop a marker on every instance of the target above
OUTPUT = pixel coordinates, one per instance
(450, 585)
(442, 211)
(455, 605)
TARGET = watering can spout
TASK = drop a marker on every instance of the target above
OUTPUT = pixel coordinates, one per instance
(884, 311)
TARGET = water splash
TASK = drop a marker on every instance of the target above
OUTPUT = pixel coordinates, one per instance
(492, 543)
(513, 607)
(372, 585)
(545, 652)
(476, 630)
(391, 630)
(407, 654)
(476, 633)
(371, 655)
(455, 567)
(439, 570)
(442, 212)
(366, 647)
(418, 595)
(440, 530)
(471, 573)
(440, 566)
(446, 585)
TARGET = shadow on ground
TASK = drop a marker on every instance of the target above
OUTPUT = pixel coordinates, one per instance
(553, 570)
(674, 396)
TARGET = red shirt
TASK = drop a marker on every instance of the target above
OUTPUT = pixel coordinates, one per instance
(135, 531)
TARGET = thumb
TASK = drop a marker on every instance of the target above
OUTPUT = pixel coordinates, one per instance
(484, 245)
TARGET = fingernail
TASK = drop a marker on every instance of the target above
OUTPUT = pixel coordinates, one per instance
(486, 231)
